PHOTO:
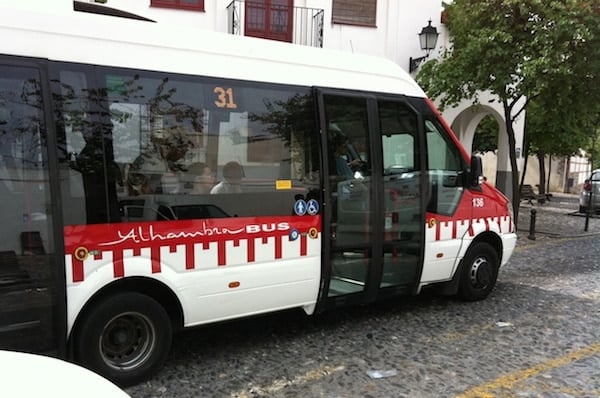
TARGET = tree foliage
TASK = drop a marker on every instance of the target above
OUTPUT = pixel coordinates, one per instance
(521, 51)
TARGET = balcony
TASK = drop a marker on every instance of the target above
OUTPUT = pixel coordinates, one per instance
(298, 25)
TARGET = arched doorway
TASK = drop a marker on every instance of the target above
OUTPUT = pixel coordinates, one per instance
(464, 120)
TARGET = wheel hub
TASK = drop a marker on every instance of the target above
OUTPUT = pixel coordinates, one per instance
(481, 273)
(127, 341)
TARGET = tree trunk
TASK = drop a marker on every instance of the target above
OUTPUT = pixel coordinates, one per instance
(549, 174)
(526, 158)
(513, 159)
(542, 164)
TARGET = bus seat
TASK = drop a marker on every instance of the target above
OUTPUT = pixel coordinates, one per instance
(31, 243)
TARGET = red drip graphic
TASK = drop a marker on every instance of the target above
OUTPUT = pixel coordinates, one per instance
(155, 254)
(222, 258)
(445, 224)
(486, 222)
(77, 270)
(303, 245)
(278, 247)
(251, 251)
(190, 257)
(118, 268)
(139, 238)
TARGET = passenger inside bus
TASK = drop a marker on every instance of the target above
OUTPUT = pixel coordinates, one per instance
(232, 179)
(341, 157)
(201, 177)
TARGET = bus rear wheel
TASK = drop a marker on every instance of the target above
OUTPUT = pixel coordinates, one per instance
(479, 272)
(125, 337)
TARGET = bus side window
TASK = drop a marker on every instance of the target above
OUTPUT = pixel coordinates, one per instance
(445, 169)
(91, 178)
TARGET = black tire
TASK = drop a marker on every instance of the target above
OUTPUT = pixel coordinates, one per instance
(479, 272)
(125, 337)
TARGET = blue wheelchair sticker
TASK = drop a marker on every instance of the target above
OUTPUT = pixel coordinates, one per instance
(312, 207)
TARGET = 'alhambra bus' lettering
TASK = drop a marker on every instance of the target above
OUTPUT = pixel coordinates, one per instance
(147, 234)
(166, 182)
(267, 227)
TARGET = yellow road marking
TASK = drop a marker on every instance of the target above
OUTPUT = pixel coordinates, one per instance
(509, 380)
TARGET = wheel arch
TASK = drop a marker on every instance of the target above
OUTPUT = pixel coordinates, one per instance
(153, 288)
(450, 288)
(491, 238)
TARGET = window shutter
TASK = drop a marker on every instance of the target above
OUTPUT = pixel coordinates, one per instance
(355, 12)
(193, 5)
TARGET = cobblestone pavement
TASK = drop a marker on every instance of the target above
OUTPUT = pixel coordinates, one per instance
(537, 335)
(557, 218)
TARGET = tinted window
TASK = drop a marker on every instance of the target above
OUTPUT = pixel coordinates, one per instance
(183, 142)
(28, 273)
(445, 169)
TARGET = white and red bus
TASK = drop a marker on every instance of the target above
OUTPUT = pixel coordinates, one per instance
(154, 179)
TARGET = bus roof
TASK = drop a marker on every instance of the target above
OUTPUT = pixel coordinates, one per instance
(111, 41)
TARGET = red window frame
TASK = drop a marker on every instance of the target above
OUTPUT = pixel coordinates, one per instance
(261, 17)
(178, 4)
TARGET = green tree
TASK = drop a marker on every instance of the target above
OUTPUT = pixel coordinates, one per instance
(559, 135)
(593, 147)
(518, 51)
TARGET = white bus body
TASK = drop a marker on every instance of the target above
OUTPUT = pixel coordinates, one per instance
(112, 128)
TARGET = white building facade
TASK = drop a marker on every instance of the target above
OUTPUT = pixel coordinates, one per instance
(386, 28)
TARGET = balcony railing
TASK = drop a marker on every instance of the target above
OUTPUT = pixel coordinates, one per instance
(306, 23)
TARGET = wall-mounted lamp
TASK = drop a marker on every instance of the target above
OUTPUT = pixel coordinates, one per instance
(428, 39)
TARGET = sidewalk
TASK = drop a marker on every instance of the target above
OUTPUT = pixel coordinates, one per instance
(557, 218)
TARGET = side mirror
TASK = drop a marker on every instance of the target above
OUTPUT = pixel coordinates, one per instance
(476, 171)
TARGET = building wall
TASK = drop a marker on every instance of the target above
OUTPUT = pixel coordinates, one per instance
(395, 37)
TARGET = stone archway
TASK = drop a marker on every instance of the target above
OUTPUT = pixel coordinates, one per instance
(464, 120)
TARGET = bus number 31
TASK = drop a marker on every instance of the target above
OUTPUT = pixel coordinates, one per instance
(224, 98)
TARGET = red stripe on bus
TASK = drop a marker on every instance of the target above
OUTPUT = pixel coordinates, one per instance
(278, 249)
(251, 250)
(303, 245)
(118, 267)
(77, 267)
(190, 257)
(155, 254)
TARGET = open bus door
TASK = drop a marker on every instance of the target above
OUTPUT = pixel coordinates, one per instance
(373, 213)
(32, 288)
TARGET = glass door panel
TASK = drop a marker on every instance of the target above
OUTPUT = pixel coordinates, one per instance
(29, 276)
(403, 220)
(350, 193)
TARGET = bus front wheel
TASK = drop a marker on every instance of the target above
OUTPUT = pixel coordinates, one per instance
(479, 272)
(125, 337)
